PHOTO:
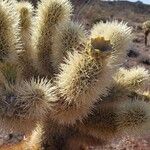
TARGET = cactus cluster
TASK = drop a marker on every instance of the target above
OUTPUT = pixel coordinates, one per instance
(146, 28)
(62, 86)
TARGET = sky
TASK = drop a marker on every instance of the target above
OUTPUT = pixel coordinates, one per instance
(144, 1)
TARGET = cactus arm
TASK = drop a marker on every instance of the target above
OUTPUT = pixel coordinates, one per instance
(111, 120)
(26, 11)
(9, 32)
(23, 103)
(49, 15)
(69, 36)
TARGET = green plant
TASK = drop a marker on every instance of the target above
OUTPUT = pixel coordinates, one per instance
(59, 84)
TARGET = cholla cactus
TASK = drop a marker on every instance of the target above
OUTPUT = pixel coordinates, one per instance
(59, 85)
(146, 28)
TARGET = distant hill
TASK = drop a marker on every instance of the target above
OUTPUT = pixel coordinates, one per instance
(96, 10)
(137, 7)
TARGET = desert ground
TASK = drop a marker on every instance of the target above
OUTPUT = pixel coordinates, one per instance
(89, 12)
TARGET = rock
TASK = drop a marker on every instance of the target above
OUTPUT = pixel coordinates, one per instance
(133, 53)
